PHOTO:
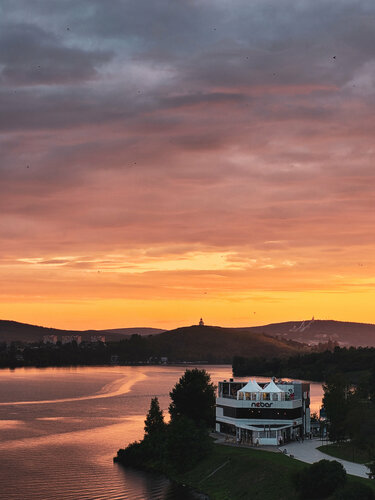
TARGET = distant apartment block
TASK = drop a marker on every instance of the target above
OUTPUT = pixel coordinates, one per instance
(97, 338)
(67, 339)
(49, 339)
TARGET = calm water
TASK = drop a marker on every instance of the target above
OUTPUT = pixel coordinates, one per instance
(60, 428)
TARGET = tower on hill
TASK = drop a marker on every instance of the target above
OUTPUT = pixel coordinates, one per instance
(201, 322)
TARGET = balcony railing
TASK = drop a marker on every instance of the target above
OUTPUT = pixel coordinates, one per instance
(241, 403)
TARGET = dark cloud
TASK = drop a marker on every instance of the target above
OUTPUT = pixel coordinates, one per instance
(163, 123)
(30, 55)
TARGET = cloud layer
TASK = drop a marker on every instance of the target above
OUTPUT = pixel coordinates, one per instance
(152, 150)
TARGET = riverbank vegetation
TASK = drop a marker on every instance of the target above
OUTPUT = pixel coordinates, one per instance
(203, 344)
(234, 473)
(175, 447)
(354, 363)
(183, 450)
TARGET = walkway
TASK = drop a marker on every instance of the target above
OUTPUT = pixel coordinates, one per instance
(307, 452)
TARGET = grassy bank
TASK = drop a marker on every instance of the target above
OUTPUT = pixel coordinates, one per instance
(243, 473)
(346, 451)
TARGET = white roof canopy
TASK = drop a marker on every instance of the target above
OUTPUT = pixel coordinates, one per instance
(251, 386)
(271, 387)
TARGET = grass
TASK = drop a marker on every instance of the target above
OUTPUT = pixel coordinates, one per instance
(346, 451)
(247, 474)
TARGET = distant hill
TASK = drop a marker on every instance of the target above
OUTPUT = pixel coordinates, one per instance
(315, 331)
(23, 332)
(305, 332)
(133, 331)
(216, 344)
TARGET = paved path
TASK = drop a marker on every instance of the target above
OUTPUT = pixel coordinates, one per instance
(307, 452)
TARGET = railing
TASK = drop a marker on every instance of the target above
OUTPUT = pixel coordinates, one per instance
(245, 403)
(227, 396)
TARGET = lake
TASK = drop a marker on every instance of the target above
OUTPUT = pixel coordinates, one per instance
(61, 427)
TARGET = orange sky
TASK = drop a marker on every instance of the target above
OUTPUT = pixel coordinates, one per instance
(161, 162)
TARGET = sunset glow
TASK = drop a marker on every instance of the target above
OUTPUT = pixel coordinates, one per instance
(163, 163)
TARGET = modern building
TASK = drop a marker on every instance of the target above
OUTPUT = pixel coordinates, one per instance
(97, 338)
(67, 339)
(49, 339)
(261, 413)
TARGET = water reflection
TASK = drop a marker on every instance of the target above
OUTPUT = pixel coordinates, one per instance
(58, 437)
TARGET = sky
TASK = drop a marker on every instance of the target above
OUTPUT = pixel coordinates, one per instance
(166, 160)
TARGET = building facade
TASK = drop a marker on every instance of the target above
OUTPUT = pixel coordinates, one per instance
(97, 338)
(67, 339)
(49, 339)
(261, 413)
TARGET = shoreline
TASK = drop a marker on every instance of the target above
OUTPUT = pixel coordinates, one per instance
(230, 471)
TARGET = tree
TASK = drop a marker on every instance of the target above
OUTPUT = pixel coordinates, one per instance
(154, 423)
(336, 403)
(186, 444)
(320, 480)
(371, 467)
(194, 397)
(372, 383)
(360, 423)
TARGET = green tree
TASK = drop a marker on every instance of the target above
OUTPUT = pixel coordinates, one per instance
(186, 444)
(320, 480)
(154, 423)
(371, 467)
(336, 403)
(372, 383)
(360, 422)
(194, 397)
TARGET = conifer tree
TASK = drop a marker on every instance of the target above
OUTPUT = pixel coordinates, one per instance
(154, 423)
(194, 397)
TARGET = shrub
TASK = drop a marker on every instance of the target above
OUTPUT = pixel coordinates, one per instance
(133, 454)
(320, 480)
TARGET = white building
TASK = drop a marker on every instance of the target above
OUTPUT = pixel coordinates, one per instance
(263, 413)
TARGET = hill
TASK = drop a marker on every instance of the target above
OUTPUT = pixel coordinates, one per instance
(208, 344)
(306, 332)
(132, 331)
(219, 345)
(315, 331)
(11, 331)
